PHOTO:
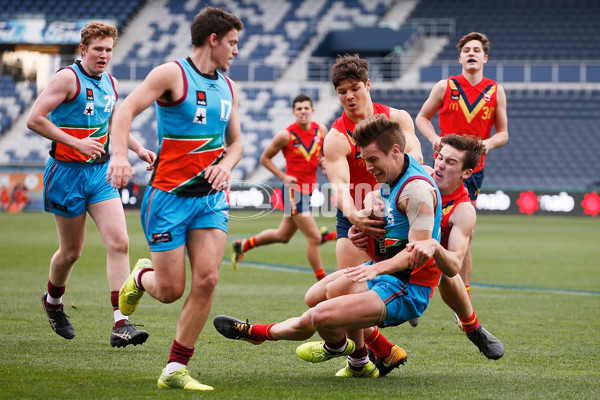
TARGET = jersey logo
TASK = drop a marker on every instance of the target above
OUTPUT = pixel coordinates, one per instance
(200, 117)
(307, 151)
(89, 109)
(200, 98)
(447, 208)
(468, 109)
(89, 94)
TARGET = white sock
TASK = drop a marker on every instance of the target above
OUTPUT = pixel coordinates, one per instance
(340, 350)
(53, 301)
(358, 362)
(119, 315)
(173, 366)
(137, 278)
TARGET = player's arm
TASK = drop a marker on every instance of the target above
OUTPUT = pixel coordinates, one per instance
(336, 149)
(133, 145)
(280, 140)
(219, 175)
(160, 84)
(322, 162)
(62, 87)
(499, 138)
(413, 146)
(431, 106)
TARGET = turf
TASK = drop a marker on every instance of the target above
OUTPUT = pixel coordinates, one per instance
(536, 286)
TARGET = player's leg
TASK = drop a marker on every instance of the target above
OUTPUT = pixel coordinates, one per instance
(332, 322)
(282, 234)
(466, 270)
(296, 328)
(454, 294)
(307, 225)
(110, 220)
(71, 236)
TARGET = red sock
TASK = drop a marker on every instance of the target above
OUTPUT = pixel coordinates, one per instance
(337, 347)
(114, 299)
(330, 236)
(249, 244)
(55, 292)
(320, 274)
(180, 353)
(260, 332)
(378, 344)
(470, 324)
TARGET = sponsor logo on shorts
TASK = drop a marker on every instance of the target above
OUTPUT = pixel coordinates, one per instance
(161, 237)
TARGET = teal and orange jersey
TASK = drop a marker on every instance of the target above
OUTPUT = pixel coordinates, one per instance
(191, 132)
(469, 110)
(302, 155)
(397, 225)
(361, 181)
(87, 114)
(449, 203)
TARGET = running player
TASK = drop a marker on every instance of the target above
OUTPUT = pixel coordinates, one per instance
(301, 144)
(468, 104)
(185, 206)
(80, 100)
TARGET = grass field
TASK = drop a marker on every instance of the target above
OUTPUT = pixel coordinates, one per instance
(536, 286)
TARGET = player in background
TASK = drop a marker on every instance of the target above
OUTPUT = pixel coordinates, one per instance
(301, 144)
(468, 104)
(185, 207)
(401, 290)
(75, 112)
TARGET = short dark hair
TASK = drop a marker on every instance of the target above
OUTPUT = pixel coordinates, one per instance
(485, 42)
(471, 145)
(351, 68)
(213, 20)
(95, 30)
(379, 129)
(300, 98)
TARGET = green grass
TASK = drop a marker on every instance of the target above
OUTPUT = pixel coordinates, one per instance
(536, 286)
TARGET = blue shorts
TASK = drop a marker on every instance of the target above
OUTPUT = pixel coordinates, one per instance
(294, 201)
(403, 301)
(70, 186)
(343, 225)
(166, 218)
(473, 184)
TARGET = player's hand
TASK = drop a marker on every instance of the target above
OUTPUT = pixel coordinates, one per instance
(362, 273)
(358, 238)
(421, 251)
(436, 144)
(289, 180)
(218, 177)
(148, 156)
(120, 171)
(369, 223)
(90, 148)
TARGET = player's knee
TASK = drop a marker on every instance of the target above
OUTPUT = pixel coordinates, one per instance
(206, 283)
(321, 317)
(118, 245)
(168, 294)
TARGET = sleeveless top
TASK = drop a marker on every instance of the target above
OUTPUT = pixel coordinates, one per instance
(191, 132)
(397, 225)
(469, 110)
(361, 181)
(85, 115)
(302, 155)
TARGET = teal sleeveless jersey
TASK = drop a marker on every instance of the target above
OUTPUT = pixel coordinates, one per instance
(85, 115)
(397, 225)
(191, 132)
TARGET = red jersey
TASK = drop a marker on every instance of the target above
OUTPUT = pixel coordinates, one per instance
(449, 203)
(302, 155)
(469, 110)
(361, 181)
